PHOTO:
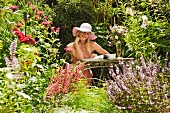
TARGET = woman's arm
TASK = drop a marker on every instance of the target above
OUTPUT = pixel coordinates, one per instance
(96, 47)
(76, 50)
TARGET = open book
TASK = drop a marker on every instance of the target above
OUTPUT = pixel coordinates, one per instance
(106, 56)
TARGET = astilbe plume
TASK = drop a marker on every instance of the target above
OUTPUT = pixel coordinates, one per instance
(64, 80)
(141, 85)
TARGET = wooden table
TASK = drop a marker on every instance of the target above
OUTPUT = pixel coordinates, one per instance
(102, 66)
(95, 63)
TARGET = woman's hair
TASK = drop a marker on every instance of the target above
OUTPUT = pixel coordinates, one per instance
(87, 44)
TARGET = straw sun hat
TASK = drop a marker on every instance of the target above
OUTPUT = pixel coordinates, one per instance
(84, 27)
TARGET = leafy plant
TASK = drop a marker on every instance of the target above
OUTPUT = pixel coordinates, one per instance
(93, 100)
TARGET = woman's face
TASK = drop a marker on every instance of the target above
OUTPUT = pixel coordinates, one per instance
(84, 35)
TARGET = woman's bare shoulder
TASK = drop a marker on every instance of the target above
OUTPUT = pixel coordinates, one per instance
(93, 44)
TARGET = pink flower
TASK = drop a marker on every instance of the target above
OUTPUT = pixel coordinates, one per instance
(19, 25)
(41, 13)
(13, 8)
(36, 17)
(52, 28)
(45, 17)
(29, 3)
(58, 30)
(34, 8)
(46, 23)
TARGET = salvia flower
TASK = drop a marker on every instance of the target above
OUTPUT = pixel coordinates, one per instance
(15, 63)
(63, 80)
(12, 48)
(8, 62)
(143, 84)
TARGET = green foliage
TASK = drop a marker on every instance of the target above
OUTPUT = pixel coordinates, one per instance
(12, 97)
(93, 99)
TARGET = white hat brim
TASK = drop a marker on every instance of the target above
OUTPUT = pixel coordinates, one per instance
(92, 35)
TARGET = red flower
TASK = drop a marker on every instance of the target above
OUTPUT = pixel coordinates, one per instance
(15, 29)
(31, 41)
(36, 53)
(24, 39)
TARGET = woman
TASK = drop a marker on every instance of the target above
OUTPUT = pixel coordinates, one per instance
(83, 46)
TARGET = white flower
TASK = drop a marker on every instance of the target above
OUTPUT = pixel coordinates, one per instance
(144, 17)
(10, 76)
(33, 79)
(24, 95)
(152, 1)
(129, 11)
(116, 37)
(145, 21)
(21, 86)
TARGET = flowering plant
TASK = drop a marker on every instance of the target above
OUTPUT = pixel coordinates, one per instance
(65, 79)
(117, 33)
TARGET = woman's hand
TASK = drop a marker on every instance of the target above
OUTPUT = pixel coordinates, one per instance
(94, 55)
(77, 40)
